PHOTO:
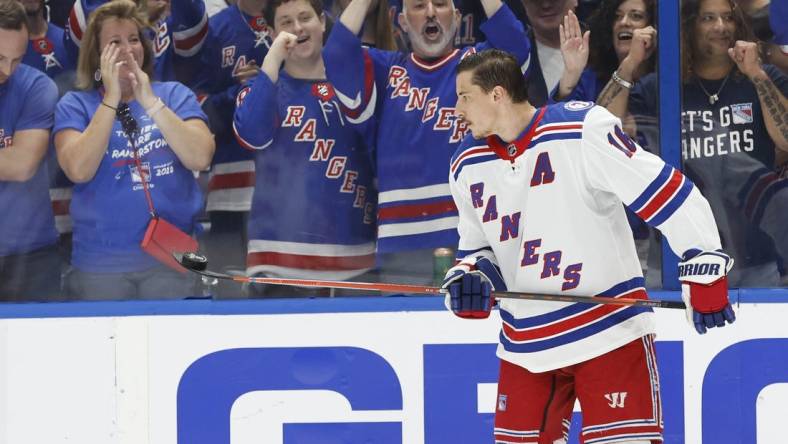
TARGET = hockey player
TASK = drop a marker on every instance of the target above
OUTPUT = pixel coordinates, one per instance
(314, 204)
(410, 98)
(179, 30)
(540, 194)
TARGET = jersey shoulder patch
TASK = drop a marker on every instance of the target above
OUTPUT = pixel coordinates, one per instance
(577, 105)
(573, 111)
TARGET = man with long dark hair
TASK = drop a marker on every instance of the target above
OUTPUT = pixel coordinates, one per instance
(733, 125)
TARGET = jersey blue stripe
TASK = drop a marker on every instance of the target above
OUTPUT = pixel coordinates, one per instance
(673, 205)
(474, 161)
(652, 188)
(576, 335)
(536, 321)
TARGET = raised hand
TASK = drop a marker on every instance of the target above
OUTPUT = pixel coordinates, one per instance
(574, 45)
(745, 56)
(110, 68)
(280, 49)
(140, 84)
(644, 42)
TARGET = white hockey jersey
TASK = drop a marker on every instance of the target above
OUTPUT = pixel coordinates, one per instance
(548, 207)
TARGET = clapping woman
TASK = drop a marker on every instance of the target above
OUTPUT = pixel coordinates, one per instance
(109, 206)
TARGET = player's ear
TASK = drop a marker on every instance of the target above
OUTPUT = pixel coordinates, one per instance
(497, 93)
(323, 21)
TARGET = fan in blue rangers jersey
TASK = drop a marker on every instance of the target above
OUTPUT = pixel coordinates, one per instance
(237, 42)
(46, 51)
(313, 212)
(109, 206)
(540, 203)
(179, 30)
(29, 262)
(410, 98)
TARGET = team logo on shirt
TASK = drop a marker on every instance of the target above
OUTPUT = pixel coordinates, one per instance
(577, 105)
(47, 50)
(323, 91)
(616, 399)
(501, 403)
(135, 172)
(742, 113)
(42, 46)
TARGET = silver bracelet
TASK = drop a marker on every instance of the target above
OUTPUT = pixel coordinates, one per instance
(156, 107)
(616, 78)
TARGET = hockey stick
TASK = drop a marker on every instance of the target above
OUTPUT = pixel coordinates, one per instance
(198, 264)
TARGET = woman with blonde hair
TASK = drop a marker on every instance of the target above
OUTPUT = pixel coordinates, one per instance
(123, 170)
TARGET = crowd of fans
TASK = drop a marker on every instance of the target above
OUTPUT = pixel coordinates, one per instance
(300, 139)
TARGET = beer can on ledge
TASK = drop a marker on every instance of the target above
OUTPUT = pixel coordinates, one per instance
(442, 260)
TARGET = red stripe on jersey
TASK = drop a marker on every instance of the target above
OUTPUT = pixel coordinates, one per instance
(416, 210)
(663, 196)
(231, 180)
(190, 42)
(565, 325)
(432, 66)
(470, 152)
(60, 207)
(73, 22)
(369, 80)
(547, 128)
(306, 262)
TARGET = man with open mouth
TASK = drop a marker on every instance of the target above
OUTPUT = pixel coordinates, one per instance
(411, 98)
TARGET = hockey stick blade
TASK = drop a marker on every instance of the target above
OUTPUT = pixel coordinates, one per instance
(198, 264)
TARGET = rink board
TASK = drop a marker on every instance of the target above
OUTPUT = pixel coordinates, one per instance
(393, 370)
